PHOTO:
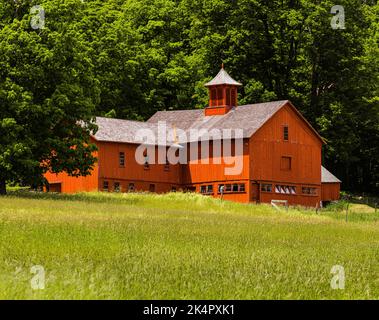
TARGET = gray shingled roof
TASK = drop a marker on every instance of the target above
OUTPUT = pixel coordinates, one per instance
(327, 177)
(249, 118)
(118, 130)
(222, 78)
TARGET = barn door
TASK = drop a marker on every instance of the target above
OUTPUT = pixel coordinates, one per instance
(255, 192)
(55, 187)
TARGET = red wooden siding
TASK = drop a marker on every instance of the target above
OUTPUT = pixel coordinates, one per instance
(110, 168)
(63, 183)
(197, 174)
(330, 191)
(237, 196)
(269, 153)
(164, 178)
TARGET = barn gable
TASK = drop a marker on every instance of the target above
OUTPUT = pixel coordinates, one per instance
(299, 130)
(286, 149)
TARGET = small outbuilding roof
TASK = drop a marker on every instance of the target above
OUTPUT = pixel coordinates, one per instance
(328, 177)
(222, 78)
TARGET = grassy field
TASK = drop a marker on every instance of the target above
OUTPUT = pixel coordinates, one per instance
(182, 246)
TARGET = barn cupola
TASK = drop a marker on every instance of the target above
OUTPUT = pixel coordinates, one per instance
(222, 93)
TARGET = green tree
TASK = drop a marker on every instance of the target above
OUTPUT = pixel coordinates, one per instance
(47, 96)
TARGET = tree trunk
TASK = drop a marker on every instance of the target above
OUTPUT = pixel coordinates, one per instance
(3, 187)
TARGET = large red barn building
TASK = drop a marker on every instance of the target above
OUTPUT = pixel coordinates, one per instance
(280, 153)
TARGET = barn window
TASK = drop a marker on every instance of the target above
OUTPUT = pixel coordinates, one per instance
(228, 102)
(131, 187)
(229, 147)
(146, 165)
(309, 190)
(285, 133)
(234, 98)
(241, 187)
(146, 159)
(206, 189)
(105, 186)
(266, 187)
(235, 187)
(285, 189)
(228, 188)
(213, 97)
(219, 96)
(117, 187)
(122, 159)
(285, 163)
(167, 165)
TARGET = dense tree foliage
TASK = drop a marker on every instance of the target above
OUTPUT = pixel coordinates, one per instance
(48, 94)
(130, 58)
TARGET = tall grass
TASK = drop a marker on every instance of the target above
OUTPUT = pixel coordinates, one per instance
(179, 246)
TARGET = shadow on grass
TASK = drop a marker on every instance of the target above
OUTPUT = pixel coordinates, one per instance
(99, 197)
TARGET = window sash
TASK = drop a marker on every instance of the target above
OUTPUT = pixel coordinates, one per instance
(122, 159)
(285, 133)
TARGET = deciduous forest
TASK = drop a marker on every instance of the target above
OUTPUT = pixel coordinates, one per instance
(130, 58)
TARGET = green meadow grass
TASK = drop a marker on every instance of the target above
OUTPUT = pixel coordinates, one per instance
(181, 246)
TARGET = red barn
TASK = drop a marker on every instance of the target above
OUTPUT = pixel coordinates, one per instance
(276, 151)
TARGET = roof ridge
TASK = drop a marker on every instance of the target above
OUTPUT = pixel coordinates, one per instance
(267, 102)
(118, 119)
(182, 110)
